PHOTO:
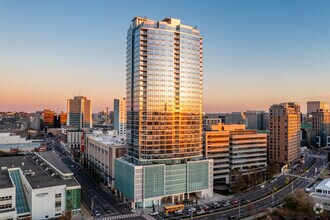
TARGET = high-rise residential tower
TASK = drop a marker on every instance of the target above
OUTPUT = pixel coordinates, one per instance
(284, 133)
(79, 112)
(164, 89)
(119, 117)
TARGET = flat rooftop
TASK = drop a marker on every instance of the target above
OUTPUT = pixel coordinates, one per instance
(5, 180)
(113, 141)
(41, 177)
(56, 161)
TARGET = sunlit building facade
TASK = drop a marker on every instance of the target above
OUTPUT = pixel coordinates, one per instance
(119, 111)
(284, 133)
(235, 151)
(48, 117)
(164, 89)
(314, 106)
(79, 112)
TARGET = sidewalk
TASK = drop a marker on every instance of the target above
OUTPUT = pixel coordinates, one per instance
(84, 214)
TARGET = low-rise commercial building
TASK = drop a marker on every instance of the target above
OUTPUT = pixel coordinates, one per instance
(101, 151)
(10, 143)
(234, 151)
(321, 194)
(39, 186)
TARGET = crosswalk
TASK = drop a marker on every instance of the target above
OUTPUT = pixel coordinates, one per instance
(127, 216)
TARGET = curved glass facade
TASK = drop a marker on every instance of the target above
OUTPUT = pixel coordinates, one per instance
(164, 92)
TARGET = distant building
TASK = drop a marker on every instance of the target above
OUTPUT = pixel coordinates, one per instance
(79, 112)
(257, 119)
(35, 121)
(305, 134)
(234, 151)
(119, 115)
(39, 187)
(10, 143)
(321, 127)
(101, 151)
(48, 117)
(209, 120)
(236, 118)
(314, 106)
(63, 118)
(284, 133)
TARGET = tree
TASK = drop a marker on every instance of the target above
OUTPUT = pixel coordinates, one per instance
(271, 171)
(287, 180)
(2, 153)
(299, 204)
(239, 184)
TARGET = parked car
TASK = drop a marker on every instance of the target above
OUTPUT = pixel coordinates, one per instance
(191, 210)
(225, 204)
(200, 212)
(215, 205)
(262, 186)
(234, 202)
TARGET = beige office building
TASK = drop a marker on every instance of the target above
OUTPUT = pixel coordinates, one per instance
(284, 133)
(234, 149)
(101, 151)
(216, 147)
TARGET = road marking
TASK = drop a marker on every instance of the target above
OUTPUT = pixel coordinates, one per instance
(120, 217)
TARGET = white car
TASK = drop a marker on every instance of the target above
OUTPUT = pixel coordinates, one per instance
(200, 212)
(178, 212)
(154, 213)
(262, 186)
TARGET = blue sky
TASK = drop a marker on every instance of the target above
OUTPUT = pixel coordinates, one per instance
(256, 53)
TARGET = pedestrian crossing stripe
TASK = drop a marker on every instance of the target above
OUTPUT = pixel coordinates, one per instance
(119, 217)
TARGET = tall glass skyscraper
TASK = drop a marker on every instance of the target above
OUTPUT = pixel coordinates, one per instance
(164, 89)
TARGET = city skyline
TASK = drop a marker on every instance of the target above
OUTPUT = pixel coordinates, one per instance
(255, 52)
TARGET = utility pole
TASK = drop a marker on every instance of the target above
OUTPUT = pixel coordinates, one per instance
(239, 209)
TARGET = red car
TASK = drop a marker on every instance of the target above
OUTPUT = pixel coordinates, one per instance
(234, 202)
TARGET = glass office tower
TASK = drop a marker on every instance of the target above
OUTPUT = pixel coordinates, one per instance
(164, 89)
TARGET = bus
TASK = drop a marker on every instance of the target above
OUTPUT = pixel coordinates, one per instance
(173, 208)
